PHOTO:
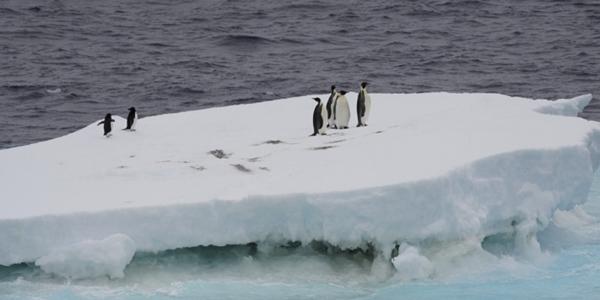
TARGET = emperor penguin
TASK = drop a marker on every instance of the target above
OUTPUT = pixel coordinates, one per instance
(131, 119)
(324, 118)
(330, 121)
(107, 124)
(341, 111)
(363, 105)
(318, 120)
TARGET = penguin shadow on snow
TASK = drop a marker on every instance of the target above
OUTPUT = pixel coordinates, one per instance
(220, 154)
(194, 167)
(198, 168)
(241, 168)
(321, 148)
(336, 141)
(271, 142)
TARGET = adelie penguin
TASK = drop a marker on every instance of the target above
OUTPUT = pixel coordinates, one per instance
(131, 119)
(107, 124)
(330, 120)
(363, 105)
(319, 115)
(341, 111)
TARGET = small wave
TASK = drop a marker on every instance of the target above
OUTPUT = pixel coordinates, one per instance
(8, 11)
(31, 96)
(314, 6)
(242, 40)
(191, 91)
(158, 45)
(184, 91)
(22, 87)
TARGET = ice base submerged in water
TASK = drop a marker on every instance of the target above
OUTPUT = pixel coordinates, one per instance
(433, 177)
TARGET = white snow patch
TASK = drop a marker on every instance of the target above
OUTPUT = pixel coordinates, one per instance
(91, 258)
(410, 264)
(565, 107)
(573, 218)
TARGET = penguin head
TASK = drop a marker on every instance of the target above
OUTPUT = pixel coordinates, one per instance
(333, 88)
(132, 108)
(108, 116)
(317, 99)
(343, 93)
(363, 84)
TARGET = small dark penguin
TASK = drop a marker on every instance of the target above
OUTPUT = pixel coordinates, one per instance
(318, 117)
(330, 122)
(131, 119)
(363, 105)
(107, 124)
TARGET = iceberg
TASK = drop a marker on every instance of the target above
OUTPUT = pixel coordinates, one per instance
(430, 169)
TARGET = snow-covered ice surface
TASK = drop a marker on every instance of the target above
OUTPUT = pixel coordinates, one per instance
(438, 174)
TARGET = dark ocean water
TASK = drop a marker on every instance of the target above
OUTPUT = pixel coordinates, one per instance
(65, 63)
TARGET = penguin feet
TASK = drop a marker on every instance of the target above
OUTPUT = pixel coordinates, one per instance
(313, 134)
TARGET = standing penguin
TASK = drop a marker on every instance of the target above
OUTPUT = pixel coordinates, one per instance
(330, 121)
(318, 120)
(107, 124)
(341, 110)
(131, 119)
(363, 105)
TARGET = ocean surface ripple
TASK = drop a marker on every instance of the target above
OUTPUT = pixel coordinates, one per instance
(65, 63)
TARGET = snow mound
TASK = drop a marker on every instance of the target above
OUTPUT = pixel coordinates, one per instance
(566, 107)
(410, 264)
(91, 258)
(430, 169)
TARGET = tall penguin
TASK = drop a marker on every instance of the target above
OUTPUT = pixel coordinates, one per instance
(341, 110)
(318, 119)
(330, 121)
(324, 118)
(131, 119)
(363, 105)
(107, 124)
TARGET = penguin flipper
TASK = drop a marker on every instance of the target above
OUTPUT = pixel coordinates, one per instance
(101, 122)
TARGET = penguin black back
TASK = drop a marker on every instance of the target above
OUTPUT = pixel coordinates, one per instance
(131, 118)
(330, 102)
(360, 104)
(317, 117)
(107, 124)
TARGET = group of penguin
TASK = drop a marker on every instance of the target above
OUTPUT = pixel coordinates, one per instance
(131, 120)
(336, 113)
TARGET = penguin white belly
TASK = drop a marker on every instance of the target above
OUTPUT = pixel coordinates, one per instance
(365, 118)
(134, 121)
(331, 119)
(324, 118)
(342, 113)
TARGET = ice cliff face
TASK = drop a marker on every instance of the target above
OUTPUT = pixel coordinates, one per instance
(429, 171)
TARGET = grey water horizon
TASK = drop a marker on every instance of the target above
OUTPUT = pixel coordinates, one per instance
(66, 63)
